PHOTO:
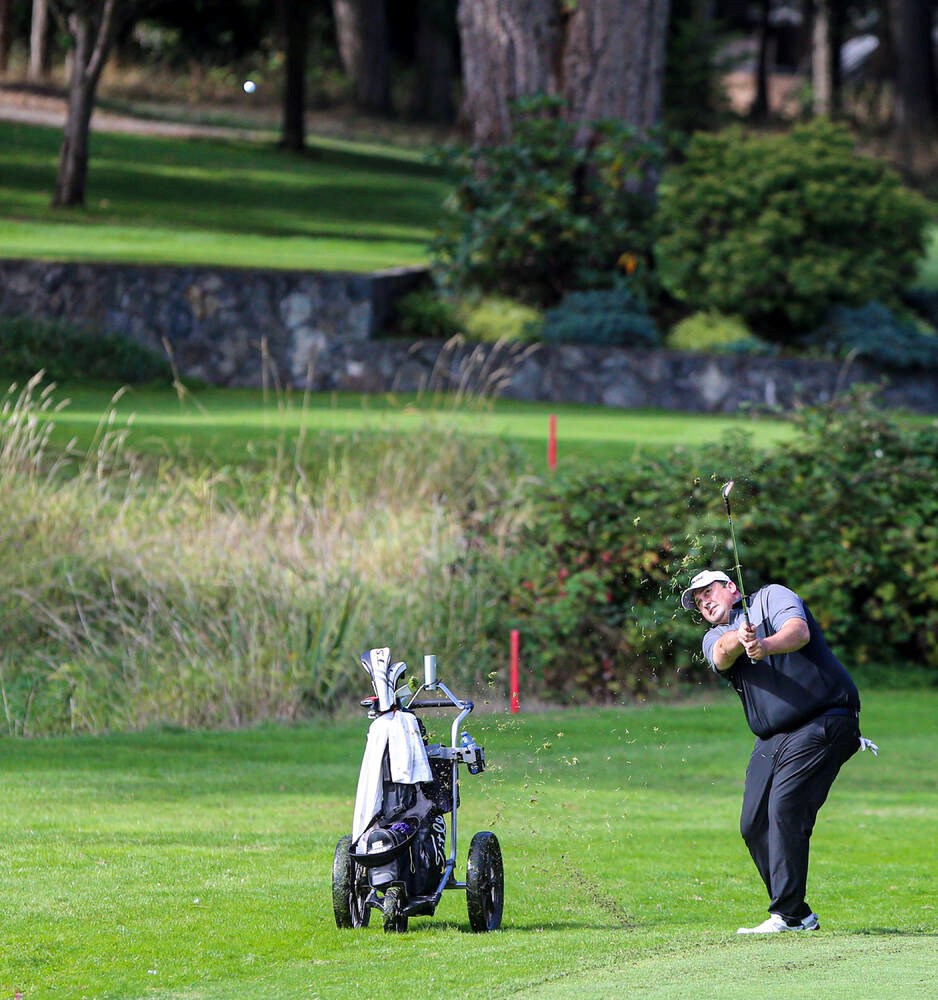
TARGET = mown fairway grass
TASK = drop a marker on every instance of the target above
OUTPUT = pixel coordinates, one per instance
(170, 864)
(226, 202)
(226, 425)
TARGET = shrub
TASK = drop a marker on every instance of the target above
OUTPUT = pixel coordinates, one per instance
(425, 315)
(529, 215)
(875, 333)
(614, 316)
(66, 354)
(710, 331)
(777, 229)
(492, 318)
(846, 514)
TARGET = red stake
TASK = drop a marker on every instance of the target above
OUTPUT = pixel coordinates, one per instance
(552, 441)
(514, 681)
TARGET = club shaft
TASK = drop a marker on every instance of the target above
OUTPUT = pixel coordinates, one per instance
(738, 567)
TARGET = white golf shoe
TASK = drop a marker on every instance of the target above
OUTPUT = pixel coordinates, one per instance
(777, 925)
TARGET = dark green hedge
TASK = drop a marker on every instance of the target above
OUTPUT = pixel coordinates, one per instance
(779, 228)
(846, 514)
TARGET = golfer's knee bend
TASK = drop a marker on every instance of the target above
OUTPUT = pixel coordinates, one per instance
(752, 828)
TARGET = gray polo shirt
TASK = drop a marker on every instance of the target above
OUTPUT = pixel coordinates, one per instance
(786, 690)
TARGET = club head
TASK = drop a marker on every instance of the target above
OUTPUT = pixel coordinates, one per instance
(726, 489)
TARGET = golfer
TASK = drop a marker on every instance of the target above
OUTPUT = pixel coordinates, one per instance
(804, 709)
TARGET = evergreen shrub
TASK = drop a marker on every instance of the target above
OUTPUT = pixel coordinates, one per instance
(874, 332)
(613, 316)
(777, 229)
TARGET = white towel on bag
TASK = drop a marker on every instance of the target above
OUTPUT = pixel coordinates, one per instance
(399, 734)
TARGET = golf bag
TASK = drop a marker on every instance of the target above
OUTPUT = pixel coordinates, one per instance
(399, 833)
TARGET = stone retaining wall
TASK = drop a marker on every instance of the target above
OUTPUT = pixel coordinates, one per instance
(218, 323)
(239, 327)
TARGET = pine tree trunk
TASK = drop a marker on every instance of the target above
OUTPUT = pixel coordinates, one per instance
(38, 67)
(613, 60)
(5, 40)
(510, 48)
(432, 96)
(294, 21)
(821, 60)
(916, 103)
(605, 58)
(364, 48)
(760, 105)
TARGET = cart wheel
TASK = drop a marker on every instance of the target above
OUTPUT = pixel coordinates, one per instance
(485, 883)
(348, 888)
(395, 922)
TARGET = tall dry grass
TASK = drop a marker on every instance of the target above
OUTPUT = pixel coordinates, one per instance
(134, 596)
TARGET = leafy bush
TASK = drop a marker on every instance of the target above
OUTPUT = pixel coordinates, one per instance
(65, 353)
(875, 333)
(435, 315)
(615, 316)
(846, 514)
(493, 317)
(777, 229)
(425, 315)
(710, 331)
(528, 216)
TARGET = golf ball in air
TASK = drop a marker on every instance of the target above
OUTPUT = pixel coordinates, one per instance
(249, 86)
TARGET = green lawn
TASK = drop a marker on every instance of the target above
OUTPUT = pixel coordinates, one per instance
(194, 865)
(228, 202)
(229, 425)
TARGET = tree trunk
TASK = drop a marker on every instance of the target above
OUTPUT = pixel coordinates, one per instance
(5, 40)
(915, 72)
(759, 108)
(613, 60)
(38, 68)
(91, 26)
(510, 48)
(294, 21)
(345, 15)
(432, 97)
(364, 48)
(837, 13)
(821, 60)
(604, 57)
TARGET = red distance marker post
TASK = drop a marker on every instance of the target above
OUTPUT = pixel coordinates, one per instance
(514, 680)
(552, 441)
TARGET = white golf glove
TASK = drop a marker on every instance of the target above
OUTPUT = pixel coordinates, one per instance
(866, 744)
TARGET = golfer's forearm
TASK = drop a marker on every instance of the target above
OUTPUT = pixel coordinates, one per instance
(791, 636)
(726, 650)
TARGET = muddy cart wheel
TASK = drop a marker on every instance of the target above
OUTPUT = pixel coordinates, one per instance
(349, 888)
(395, 922)
(485, 883)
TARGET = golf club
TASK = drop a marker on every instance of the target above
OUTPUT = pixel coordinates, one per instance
(738, 567)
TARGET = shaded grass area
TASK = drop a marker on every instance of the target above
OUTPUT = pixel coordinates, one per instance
(199, 865)
(227, 202)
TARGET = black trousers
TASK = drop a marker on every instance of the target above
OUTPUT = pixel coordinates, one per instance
(787, 782)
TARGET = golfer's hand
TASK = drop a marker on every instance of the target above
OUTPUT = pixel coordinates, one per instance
(750, 642)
